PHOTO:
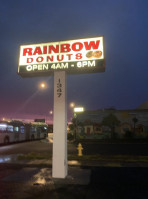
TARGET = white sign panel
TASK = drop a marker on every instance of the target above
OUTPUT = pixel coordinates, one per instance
(73, 56)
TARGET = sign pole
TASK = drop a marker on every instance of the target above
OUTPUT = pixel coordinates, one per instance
(71, 57)
(59, 161)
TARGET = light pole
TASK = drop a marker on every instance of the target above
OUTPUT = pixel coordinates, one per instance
(71, 105)
(77, 110)
(43, 86)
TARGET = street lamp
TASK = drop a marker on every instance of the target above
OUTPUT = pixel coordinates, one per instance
(43, 85)
(77, 110)
(51, 112)
(72, 104)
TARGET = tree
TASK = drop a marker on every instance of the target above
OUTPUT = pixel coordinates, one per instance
(74, 126)
(135, 120)
(111, 121)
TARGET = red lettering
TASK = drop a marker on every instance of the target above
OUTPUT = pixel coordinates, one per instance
(55, 49)
(44, 49)
(29, 60)
(49, 58)
(60, 59)
(37, 51)
(27, 51)
(69, 56)
(77, 46)
(78, 56)
(92, 45)
(39, 59)
(65, 48)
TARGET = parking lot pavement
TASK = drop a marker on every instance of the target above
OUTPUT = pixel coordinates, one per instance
(95, 182)
(42, 176)
(121, 183)
(20, 182)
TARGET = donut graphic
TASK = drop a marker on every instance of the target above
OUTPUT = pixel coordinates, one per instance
(89, 54)
(94, 54)
(97, 54)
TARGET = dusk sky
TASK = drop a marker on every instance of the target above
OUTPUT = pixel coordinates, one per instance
(124, 25)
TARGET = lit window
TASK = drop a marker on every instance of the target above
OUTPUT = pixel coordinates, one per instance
(3, 127)
(10, 128)
(16, 129)
(22, 129)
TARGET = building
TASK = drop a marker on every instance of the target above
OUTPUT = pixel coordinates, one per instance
(92, 120)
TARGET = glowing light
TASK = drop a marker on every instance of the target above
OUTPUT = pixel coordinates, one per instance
(73, 162)
(43, 85)
(72, 104)
(4, 159)
(3, 125)
(78, 109)
(51, 112)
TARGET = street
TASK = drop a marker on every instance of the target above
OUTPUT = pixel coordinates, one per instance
(26, 147)
(40, 146)
(89, 148)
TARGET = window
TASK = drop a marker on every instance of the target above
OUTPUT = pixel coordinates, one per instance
(10, 128)
(16, 129)
(33, 129)
(22, 129)
(3, 127)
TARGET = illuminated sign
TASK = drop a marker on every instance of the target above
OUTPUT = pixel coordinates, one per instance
(74, 56)
(78, 109)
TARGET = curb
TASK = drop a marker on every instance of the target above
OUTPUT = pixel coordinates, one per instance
(75, 163)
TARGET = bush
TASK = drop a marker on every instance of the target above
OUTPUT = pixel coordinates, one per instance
(70, 136)
(128, 134)
(80, 136)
